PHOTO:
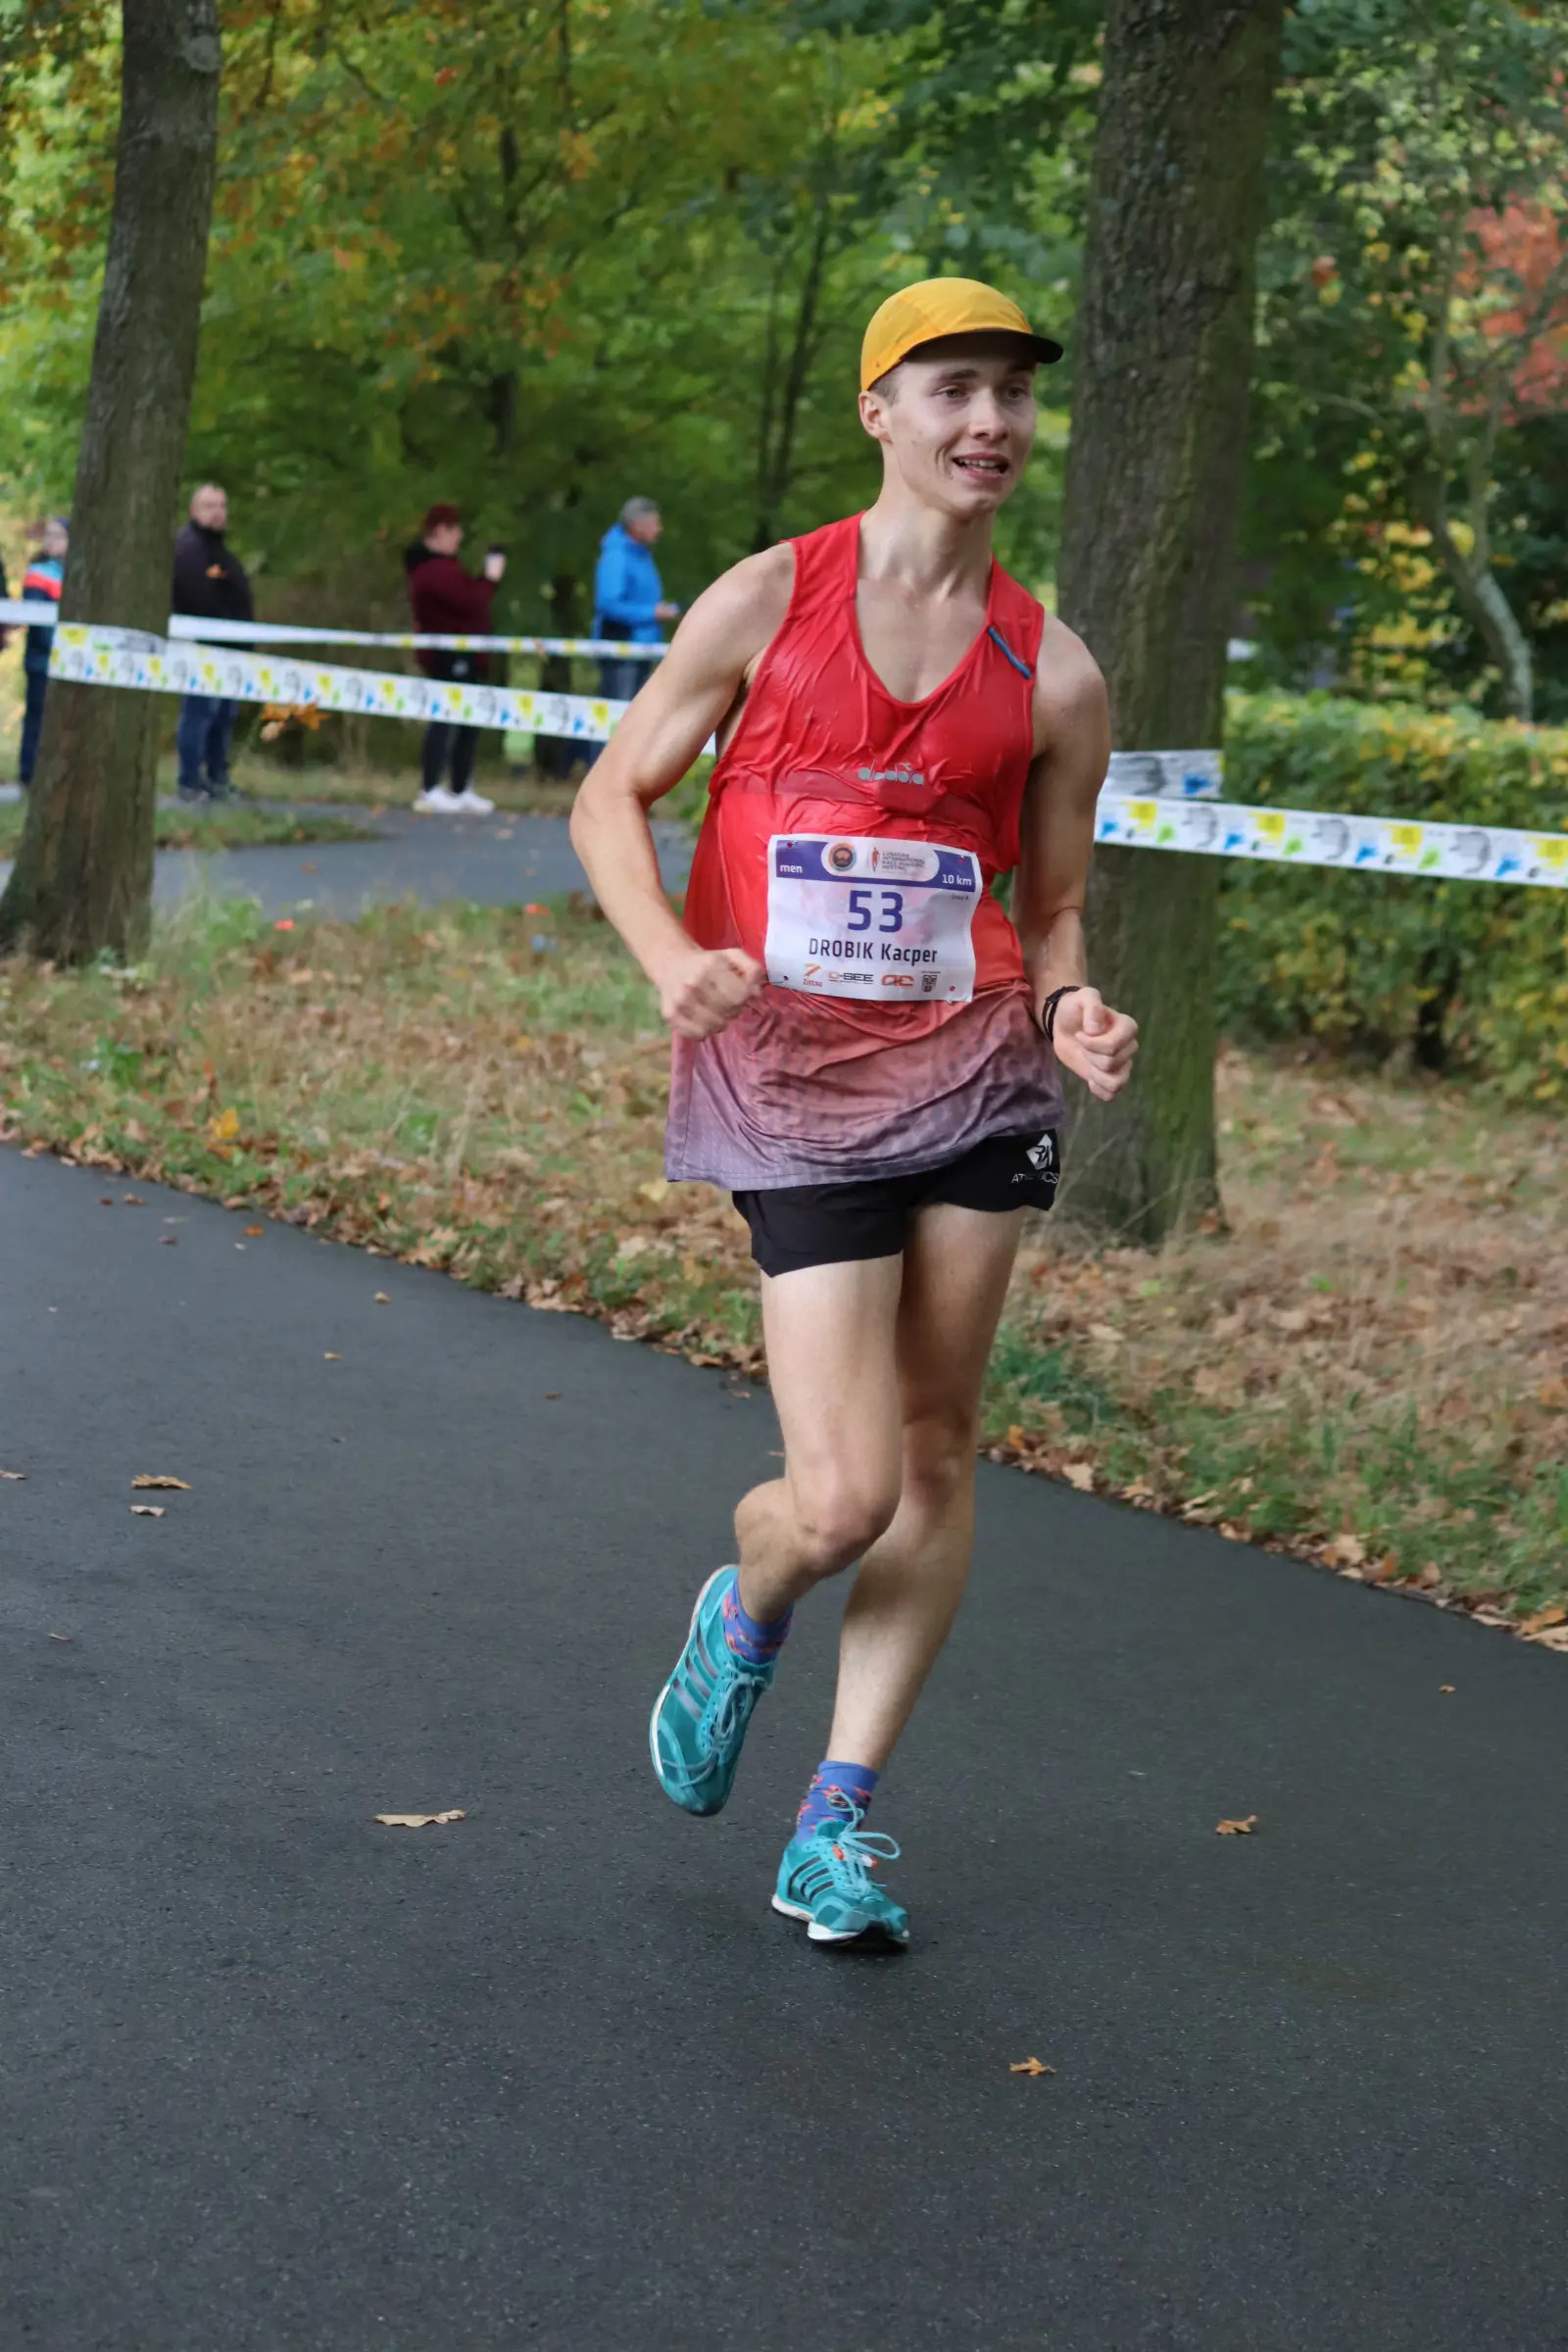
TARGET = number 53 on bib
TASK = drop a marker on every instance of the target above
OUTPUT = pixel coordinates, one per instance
(875, 919)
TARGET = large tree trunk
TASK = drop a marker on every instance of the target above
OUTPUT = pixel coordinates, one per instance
(1155, 471)
(83, 874)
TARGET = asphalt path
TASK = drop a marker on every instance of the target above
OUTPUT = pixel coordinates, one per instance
(502, 860)
(554, 2073)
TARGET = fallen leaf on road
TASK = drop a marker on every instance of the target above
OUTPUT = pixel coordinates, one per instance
(106, 1199)
(147, 1510)
(17, 1475)
(416, 1820)
(551, 1395)
(332, 1359)
(1080, 1475)
(169, 1240)
(133, 1200)
(1445, 1690)
(1537, 1624)
(381, 1299)
(148, 1478)
(1346, 1551)
(1030, 2066)
(309, 866)
(60, 1636)
(251, 1231)
(1236, 1828)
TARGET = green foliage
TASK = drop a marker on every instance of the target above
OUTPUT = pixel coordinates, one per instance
(1414, 319)
(1472, 976)
(537, 257)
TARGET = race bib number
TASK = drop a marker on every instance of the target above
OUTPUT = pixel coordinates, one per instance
(889, 921)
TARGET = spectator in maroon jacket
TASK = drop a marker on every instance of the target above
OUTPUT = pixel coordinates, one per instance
(449, 601)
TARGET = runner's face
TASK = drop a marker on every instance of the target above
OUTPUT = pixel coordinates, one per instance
(959, 427)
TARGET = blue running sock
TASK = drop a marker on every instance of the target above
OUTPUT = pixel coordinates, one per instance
(830, 1781)
(747, 1636)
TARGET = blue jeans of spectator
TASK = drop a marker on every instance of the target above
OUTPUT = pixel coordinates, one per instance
(206, 722)
(31, 723)
(619, 681)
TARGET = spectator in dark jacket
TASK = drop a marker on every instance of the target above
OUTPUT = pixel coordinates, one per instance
(448, 602)
(210, 583)
(41, 584)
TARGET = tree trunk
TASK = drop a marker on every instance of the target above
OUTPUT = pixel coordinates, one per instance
(1148, 574)
(82, 880)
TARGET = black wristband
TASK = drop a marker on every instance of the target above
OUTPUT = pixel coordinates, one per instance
(1047, 1011)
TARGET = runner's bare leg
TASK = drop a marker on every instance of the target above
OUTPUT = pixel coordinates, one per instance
(955, 1270)
(832, 1364)
(876, 1368)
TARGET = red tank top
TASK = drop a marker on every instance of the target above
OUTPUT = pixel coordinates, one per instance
(822, 746)
(807, 1089)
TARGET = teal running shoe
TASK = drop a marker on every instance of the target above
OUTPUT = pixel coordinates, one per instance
(825, 1878)
(698, 1727)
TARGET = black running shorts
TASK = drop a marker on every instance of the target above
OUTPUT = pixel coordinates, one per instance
(799, 1225)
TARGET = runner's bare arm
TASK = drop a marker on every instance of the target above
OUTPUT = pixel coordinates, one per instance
(701, 680)
(1057, 834)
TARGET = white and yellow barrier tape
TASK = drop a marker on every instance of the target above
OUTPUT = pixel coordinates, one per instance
(1368, 845)
(99, 656)
(31, 612)
(1178, 813)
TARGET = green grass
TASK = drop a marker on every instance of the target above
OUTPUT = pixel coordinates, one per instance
(237, 828)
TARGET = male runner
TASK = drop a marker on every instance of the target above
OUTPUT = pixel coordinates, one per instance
(865, 1049)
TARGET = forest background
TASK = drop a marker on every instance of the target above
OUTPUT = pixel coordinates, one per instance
(538, 258)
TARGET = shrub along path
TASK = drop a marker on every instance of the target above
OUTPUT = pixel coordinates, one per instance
(553, 2072)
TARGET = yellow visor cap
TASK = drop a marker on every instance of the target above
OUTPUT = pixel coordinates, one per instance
(939, 307)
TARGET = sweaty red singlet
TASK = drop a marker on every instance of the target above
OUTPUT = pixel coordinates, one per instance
(803, 1089)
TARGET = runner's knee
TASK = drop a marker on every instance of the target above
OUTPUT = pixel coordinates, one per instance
(836, 1523)
(938, 1456)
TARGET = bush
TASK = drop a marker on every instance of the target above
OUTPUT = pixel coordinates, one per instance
(1463, 975)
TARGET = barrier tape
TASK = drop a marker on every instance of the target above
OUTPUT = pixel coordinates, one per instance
(28, 613)
(1375, 845)
(98, 657)
(1183, 815)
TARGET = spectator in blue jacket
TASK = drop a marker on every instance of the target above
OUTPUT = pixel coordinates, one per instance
(41, 583)
(629, 600)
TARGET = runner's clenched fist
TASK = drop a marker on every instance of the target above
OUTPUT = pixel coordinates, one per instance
(1096, 1044)
(706, 989)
